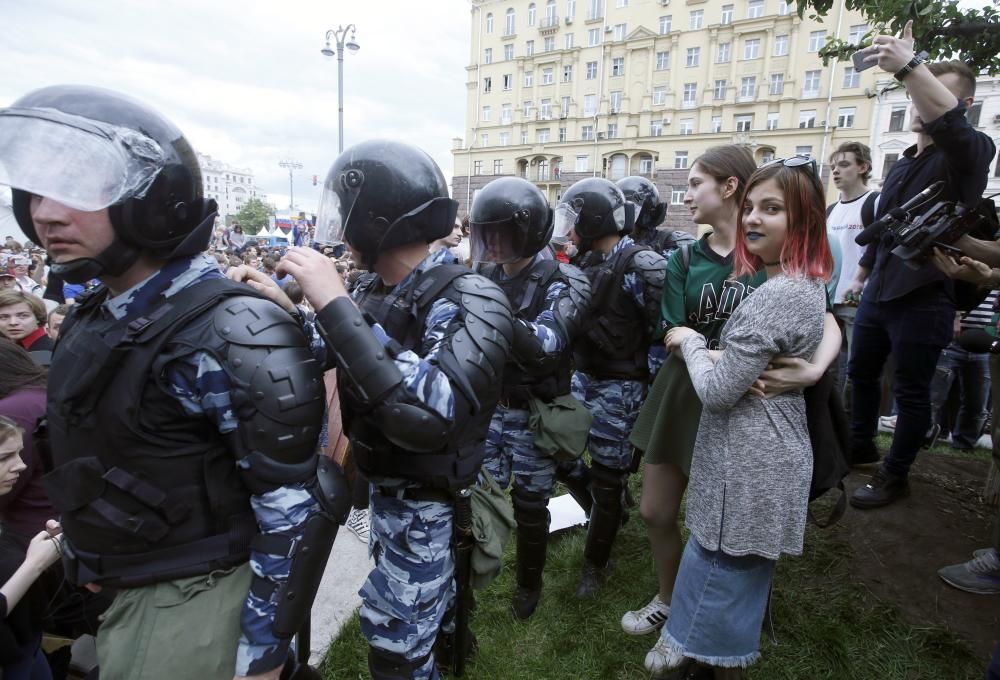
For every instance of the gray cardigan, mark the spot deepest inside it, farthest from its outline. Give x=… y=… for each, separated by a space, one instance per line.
x=752 y=464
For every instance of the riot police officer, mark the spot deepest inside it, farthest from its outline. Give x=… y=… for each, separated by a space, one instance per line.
x=420 y=353
x=649 y=214
x=511 y=224
x=183 y=409
x=613 y=355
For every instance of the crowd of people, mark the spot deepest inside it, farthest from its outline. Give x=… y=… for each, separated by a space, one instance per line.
x=162 y=406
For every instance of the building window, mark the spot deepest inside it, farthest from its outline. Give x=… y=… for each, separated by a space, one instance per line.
x=777 y=84
x=677 y=196
x=810 y=86
x=690 y=94
x=662 y=60
x=697 y=19
x=665 y=23
x=489 y=23
x=568 y=73
x=845 y=117
x=545 y=109
x=816 y=40
x=612 y=130
x=744 y=122
x=755 y=9
x=487 y=84
x=807 y=118
x=724 y=51
x=477 y=167
x=680 y=160
x=488 y=56
x=805 y=150
x=508 y=27
x=767 y=156
x=748 y=87
x=570 y=8
x=595 y=9
x=529 y=48
x=659 y=95
x=851 y=77
x=549 y=44
x=972 y=114
x=587 y=133
x=508 y=81
x=508 y=52
x=890 y=160
x=589 y=104
x=542 y=136
x=686 y=126
x=485 y=140
x=621 y=3
x=716 y=124
x=594 y=37
x=591 y=70
x=645 y=165
x=569 y=41
x=618 y=66
x=719 y=91
x=550 y=13
x=582 y=164
x=784 y=8
x=620 y=31
x=727 y=15
x=896 y=118
x=486 y=113
x=857 y=33
x=504 y=139
x=655 y=128
x=772 y=121
x=751 y=48
x=564 y=107
x=532 y=14
x=616 y=101
x=693 y=56
x=562 y=134
x=780 y=45
x=547 y=78
x=524 y=136
x=529 y=109
x=498 y=166
x=543 y=171
x=529 y=78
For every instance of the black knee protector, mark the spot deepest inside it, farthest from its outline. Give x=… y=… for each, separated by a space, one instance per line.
x=385 y=665
x=530 y=507
x=606 y=485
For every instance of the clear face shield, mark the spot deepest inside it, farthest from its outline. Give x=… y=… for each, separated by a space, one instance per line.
x=564 y=220
x=329 y=220
x=491 y=242
x=636 y=202
x=84 y=164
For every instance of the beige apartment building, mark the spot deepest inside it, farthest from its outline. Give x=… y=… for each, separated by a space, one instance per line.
x=559 y=90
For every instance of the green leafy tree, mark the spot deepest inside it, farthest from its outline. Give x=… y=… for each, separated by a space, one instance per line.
x=253 y=216
x=940 y=27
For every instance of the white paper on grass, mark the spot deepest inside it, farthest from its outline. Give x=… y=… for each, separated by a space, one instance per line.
x=565 y=512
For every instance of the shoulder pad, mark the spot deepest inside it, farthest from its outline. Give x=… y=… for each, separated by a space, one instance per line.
x=579 y=284
x=478 y=286
x=652 y=266
x=256 y=322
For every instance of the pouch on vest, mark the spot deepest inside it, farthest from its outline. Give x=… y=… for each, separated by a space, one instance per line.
x=492 y=522
x=561 y=426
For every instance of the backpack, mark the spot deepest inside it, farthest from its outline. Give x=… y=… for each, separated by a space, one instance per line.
x=867 y=208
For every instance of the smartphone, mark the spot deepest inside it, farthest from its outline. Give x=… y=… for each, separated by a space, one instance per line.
x=859 y=59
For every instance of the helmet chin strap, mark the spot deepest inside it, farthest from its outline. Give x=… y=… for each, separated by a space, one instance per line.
x=112 y=261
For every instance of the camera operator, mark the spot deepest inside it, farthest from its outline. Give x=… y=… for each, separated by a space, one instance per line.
x=908 y=312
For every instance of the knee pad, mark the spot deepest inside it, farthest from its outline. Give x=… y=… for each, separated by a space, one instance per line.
x=385 y=665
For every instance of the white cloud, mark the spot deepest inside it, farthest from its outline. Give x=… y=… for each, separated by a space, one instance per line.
x=246 y=82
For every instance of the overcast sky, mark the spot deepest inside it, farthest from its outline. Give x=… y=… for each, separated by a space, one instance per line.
x=245 y=79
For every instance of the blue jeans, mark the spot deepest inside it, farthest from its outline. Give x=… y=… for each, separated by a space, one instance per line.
x=914 y=329
x=971 y=369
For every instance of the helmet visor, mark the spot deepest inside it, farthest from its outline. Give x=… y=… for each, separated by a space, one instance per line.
x=637 y=208
x=329 y=220
x=491 y=242
x=564 y=220
x=81 y=163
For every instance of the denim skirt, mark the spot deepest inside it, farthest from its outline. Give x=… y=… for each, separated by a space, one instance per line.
x=717 y=608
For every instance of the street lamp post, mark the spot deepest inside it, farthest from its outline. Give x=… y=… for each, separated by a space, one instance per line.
x=339 y=35
x=292 y=167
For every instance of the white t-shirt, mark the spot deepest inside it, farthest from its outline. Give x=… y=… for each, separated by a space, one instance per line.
x=843 y=225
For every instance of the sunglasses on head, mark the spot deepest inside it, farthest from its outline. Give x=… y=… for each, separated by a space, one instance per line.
x=797 y=161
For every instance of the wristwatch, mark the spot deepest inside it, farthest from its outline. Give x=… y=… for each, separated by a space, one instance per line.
x=917 y=60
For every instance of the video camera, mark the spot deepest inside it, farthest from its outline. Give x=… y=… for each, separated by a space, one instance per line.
x=939 y=227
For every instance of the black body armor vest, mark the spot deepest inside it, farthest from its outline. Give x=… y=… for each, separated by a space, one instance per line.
x=614 y=344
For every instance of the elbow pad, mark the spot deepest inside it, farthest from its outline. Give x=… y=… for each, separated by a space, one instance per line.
x=412 y=426
x=366 y=363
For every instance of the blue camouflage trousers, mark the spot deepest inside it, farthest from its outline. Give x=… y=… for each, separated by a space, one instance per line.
x=614 y=405
x=412 y=585
x=510 y=450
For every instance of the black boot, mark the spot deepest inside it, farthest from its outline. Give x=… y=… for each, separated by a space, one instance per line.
x=605 y=520
x=575 y=477
x=532 y=541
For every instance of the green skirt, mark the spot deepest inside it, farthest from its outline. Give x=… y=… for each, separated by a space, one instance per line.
x=668 y=422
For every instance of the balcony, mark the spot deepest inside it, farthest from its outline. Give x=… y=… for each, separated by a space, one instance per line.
x=594 y=18
x=548 y=25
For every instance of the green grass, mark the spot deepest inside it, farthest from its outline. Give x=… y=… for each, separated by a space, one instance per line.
x=883 y=440
x=826 y=625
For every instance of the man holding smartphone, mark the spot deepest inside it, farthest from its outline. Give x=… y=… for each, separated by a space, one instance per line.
x=906 y=312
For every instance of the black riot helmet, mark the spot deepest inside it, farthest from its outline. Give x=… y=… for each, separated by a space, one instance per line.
x=510 y=219
x=645 y=197
x=593 y=207
x=90 y=149
x=382 y=194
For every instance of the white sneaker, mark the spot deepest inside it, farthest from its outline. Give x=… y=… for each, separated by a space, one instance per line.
x=648 y=619
x=359 y=524
x=662 y=658
x=888 y=422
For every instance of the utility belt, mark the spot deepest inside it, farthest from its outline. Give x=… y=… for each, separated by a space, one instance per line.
x=415 y=493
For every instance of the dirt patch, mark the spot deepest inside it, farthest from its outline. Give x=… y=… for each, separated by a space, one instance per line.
x=898 y=549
